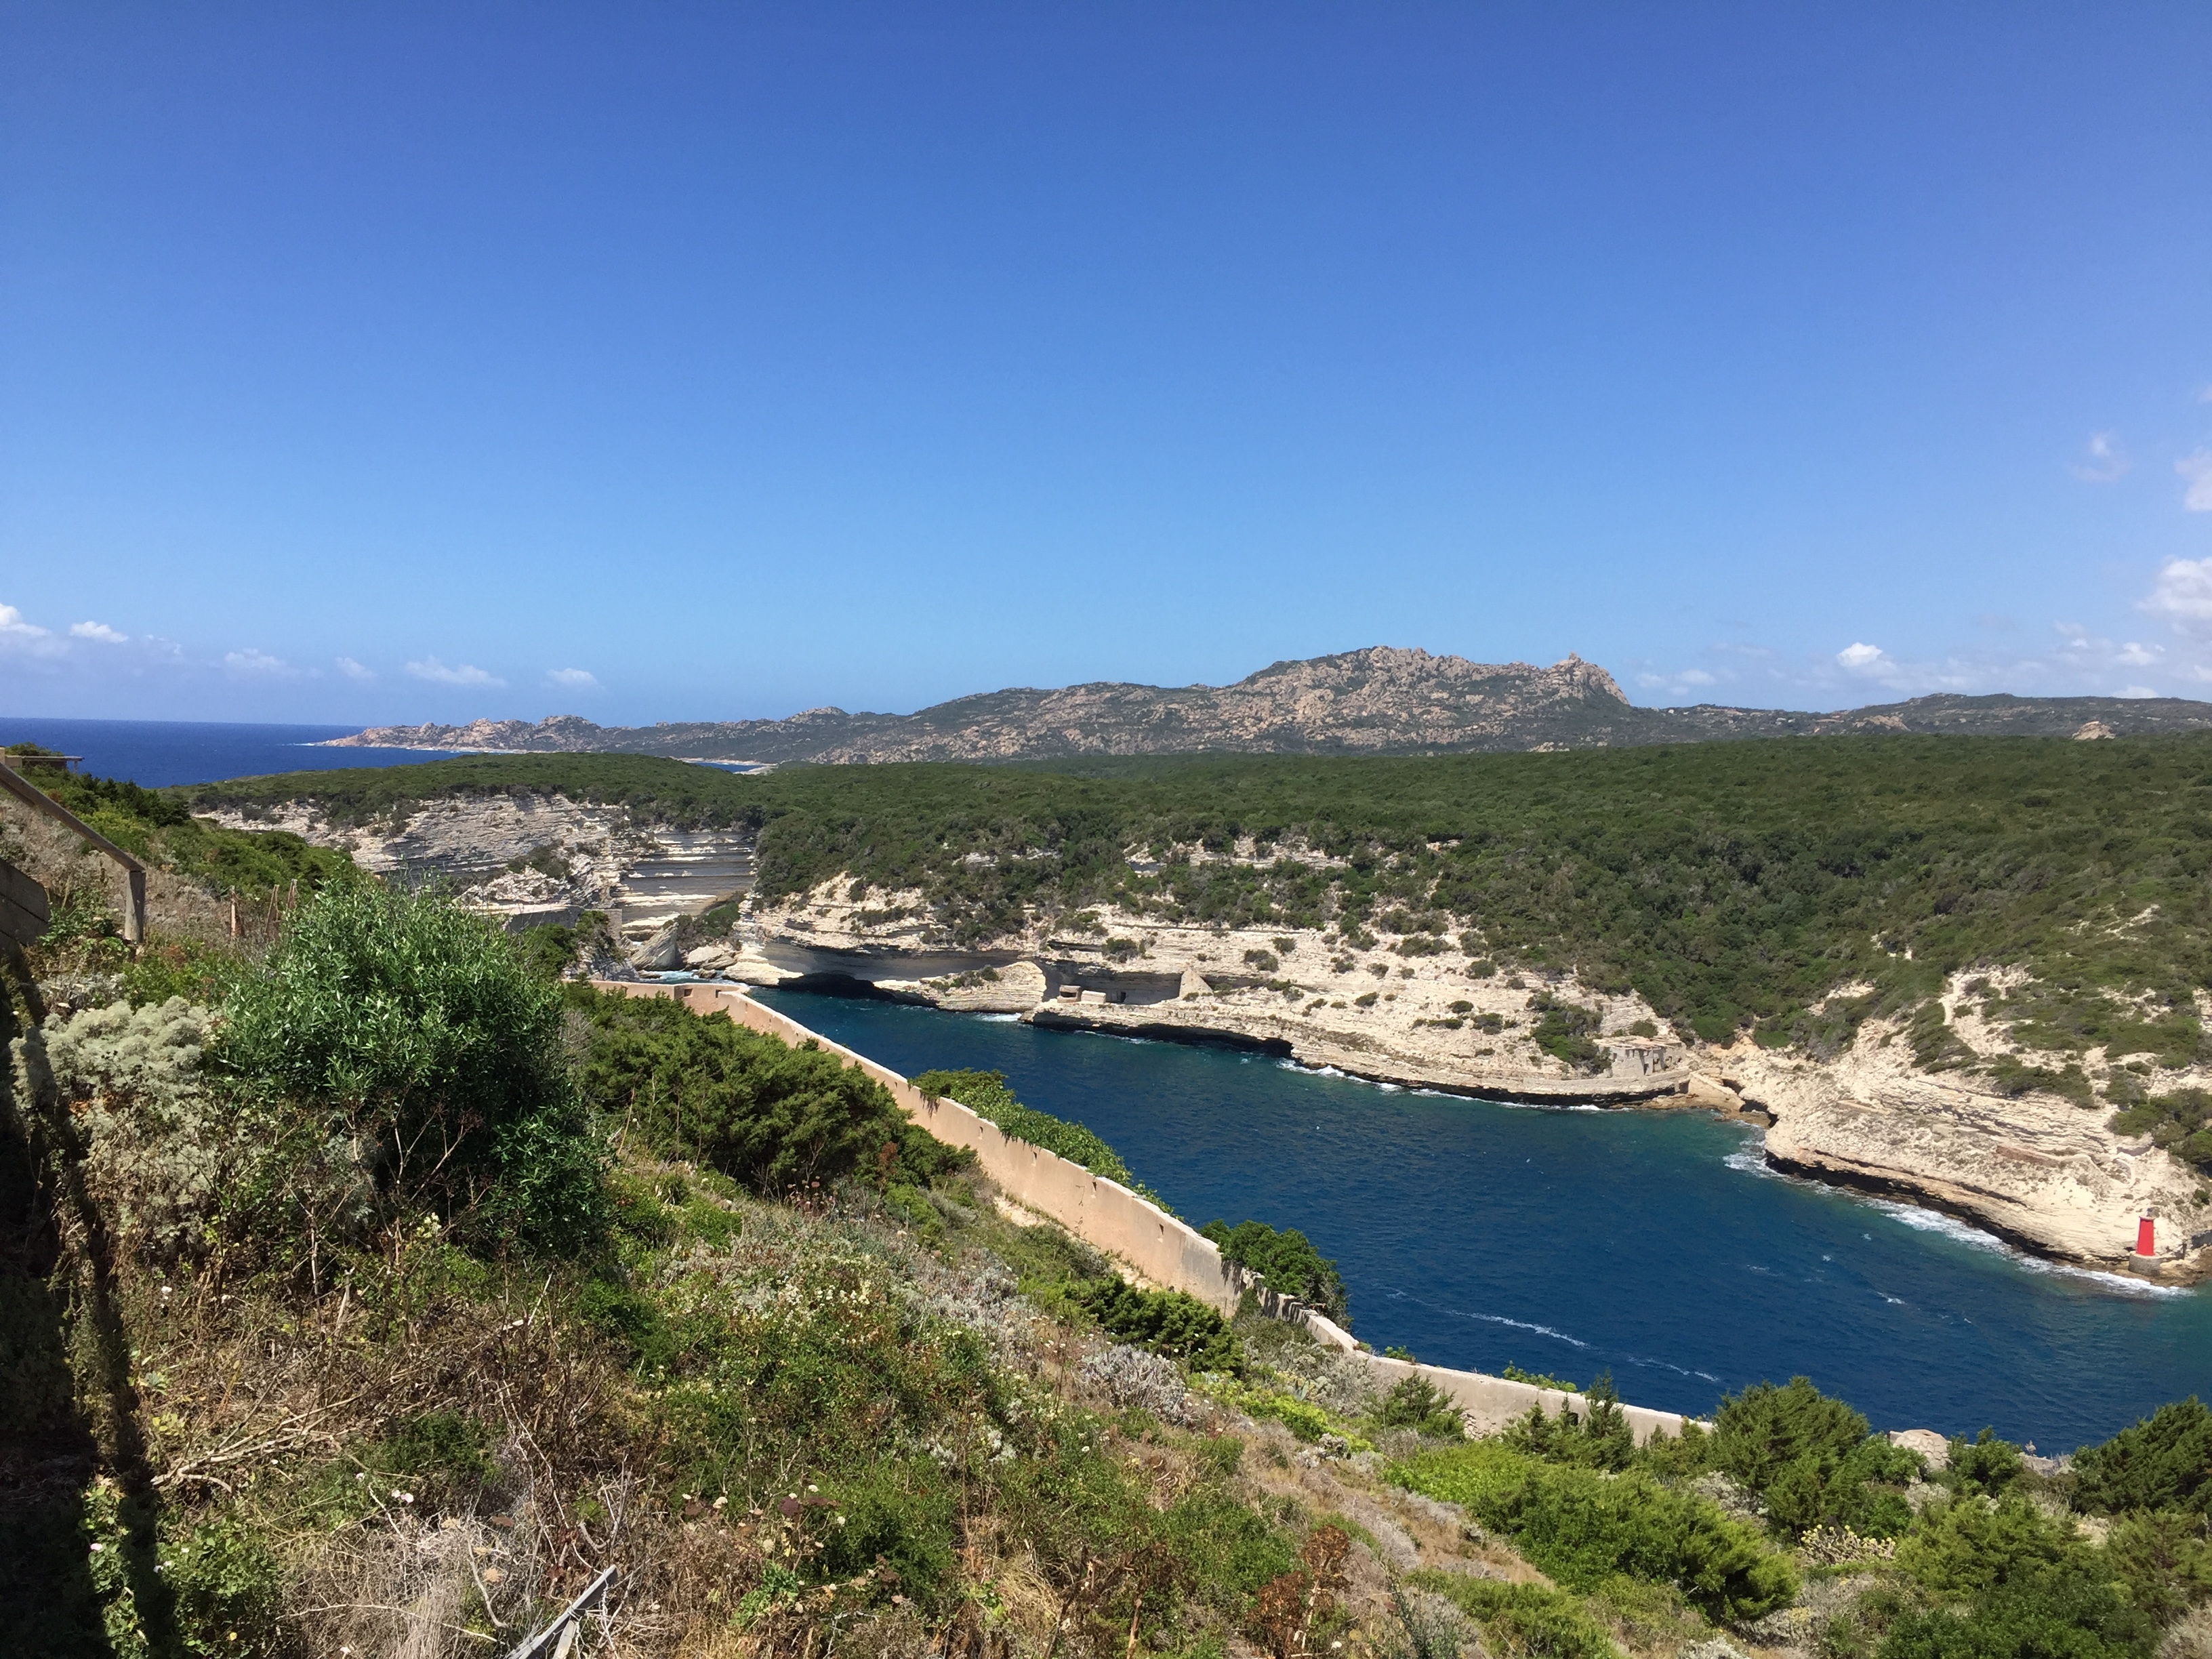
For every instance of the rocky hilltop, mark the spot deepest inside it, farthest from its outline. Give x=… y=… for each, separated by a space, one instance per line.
x=1382 y=700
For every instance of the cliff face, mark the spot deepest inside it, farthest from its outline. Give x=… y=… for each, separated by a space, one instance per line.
x=1379 y=700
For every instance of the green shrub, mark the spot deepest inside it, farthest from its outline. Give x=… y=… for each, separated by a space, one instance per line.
x=633 y=1321
x=1812 y=1460
x=410 y=1026
x=1972 y=1545
x=2005 y=1579
x=1581 y=1526
x=986 y=1094
x=188 y=968
x=1472 y=1475
x=2165 y=1560
x=1225 y=1550
x=2181 y=1122
x=1173 y=1323
x=1984 y=1464
x=548 y=951
x=770 y=1116
x=443 y=1456
x=1513 y=1373
x=2071 y=1615
x=1286 y=1261
x=228 y=1591
x=2161 y=1463
x=897 y=1514
x=1567 y=1032
x=1598 y=1436
x=1416 y=1403
x=1524 y=1621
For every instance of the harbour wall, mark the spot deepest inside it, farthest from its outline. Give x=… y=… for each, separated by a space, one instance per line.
x=1161 y=1249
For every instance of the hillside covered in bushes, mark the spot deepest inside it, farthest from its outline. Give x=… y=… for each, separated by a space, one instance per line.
x=1732 y=885
x=377 y=1304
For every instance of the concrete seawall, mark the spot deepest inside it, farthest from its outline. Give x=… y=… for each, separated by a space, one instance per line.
x=1109 y=1217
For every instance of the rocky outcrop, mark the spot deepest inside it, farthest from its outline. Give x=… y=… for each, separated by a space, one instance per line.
x=2042 y=1172
x=1436 y=1019
x=530 y=859
x=1377 y=701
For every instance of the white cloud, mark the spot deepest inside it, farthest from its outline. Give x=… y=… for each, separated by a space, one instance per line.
x=251 y=661
x=2197 y=467
x=2106 y=461
x=2134 y=691
x=27 y=641
x=573 y=679
x=354 y=671
x=2132 y=655
x=97 y=630
x=460 y=674
x=1862 y=659
x=2183 y=594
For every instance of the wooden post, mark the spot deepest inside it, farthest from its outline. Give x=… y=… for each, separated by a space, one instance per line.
x=24 y=913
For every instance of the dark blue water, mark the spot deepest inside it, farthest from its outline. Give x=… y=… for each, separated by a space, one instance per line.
x=158 y=753
x=1573 y=1241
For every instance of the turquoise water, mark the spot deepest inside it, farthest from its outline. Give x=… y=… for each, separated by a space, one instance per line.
x=1653 y=1244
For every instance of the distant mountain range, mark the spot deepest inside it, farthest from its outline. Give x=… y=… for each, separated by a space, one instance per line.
x=1379 y=700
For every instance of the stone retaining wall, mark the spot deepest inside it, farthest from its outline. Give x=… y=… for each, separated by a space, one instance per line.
x=1161 y=1249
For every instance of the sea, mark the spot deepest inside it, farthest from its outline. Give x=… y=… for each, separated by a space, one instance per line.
x=159 y=753
x=1654 y=1245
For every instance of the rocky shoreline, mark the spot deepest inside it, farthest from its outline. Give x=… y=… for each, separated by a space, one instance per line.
x=2038 y=1171
x=2041 y=1172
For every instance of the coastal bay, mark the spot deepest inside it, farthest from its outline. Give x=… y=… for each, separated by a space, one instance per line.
x=1652 y=1244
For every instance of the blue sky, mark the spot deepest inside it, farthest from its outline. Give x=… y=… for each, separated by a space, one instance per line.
x=713 y=361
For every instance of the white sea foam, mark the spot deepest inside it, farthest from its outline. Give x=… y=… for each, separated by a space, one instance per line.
x=1520 y=1325
x=1750 y=1158
x=1934 y=1221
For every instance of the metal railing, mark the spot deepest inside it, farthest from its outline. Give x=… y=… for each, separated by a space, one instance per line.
x=570 y=1621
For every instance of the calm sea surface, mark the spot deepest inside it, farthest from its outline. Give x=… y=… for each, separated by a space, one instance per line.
x=1654 y=1244
x=157 y=753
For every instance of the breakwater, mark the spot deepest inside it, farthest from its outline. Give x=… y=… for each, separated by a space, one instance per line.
x=1158 y=1247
